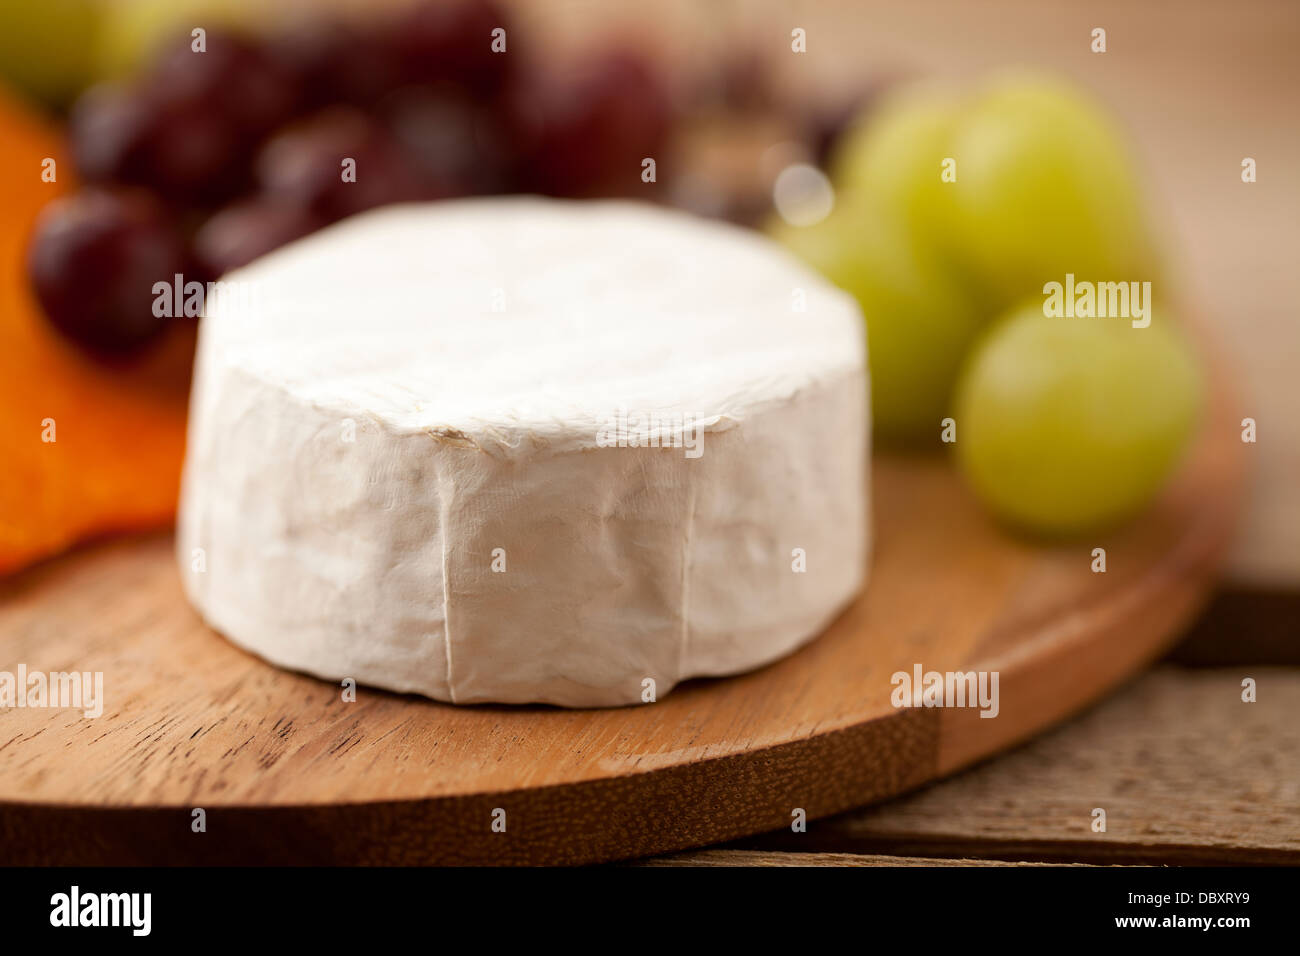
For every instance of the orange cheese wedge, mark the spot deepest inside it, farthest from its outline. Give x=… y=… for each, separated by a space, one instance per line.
x=84 y=449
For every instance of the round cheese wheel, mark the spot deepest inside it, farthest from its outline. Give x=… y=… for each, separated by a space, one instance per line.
x=522 y=450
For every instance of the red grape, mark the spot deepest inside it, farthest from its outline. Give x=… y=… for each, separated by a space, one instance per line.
x=335 y=62
x=172 y=144
x=233 y=75
x=108 y=128
x=93 y=260
x=460 y=147
x=246 y=230
x=187 y=128
x=588 y=130
x=440 y=41
x=303 y=166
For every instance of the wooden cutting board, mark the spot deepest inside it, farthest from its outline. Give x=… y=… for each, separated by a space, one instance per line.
x=285 y=770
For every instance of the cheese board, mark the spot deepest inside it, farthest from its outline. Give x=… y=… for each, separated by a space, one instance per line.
x=206 y=754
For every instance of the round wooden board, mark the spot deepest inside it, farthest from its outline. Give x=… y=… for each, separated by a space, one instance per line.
x=287 y=772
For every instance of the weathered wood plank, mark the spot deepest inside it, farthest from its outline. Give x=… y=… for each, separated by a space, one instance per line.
x=1245 y=626
x=1185 y=770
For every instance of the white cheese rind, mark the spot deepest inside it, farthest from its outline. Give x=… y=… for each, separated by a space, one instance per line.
x=474 y=430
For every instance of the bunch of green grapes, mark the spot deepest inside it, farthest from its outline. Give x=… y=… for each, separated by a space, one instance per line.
x=952 y=213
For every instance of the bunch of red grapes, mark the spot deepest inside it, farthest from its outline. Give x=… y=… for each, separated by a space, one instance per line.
x=210 y=159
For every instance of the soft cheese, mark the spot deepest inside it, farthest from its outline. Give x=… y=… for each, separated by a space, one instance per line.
x=418 y=453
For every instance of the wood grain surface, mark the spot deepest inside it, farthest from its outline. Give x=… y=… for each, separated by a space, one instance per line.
x=1187 y=772
x=285 y=770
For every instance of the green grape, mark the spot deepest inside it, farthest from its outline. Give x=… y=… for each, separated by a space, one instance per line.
x=1045 y=187
x=45 y=46
x=895 y=155
x=1069 y=425
x=920 y=321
